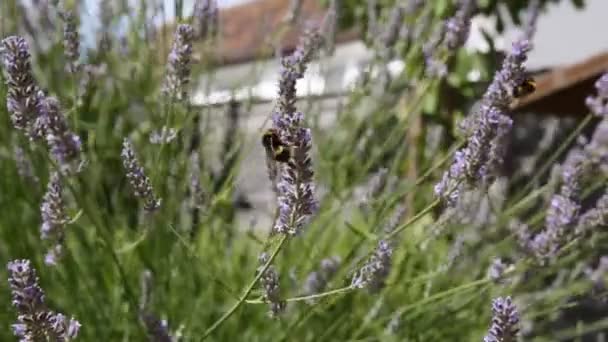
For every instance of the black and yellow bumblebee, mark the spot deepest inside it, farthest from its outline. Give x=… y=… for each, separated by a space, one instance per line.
x=276 y=149
x=524 y=88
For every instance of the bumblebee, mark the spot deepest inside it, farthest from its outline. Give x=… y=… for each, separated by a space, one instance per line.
x=525 y=88
x=276 y=149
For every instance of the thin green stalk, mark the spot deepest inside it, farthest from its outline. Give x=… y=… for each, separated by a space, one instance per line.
x=309 y=297
x=194 y=254
x=413 y=220
x=444 y=294
x=247 y=291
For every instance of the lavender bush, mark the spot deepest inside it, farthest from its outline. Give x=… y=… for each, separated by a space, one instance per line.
x=406 y=216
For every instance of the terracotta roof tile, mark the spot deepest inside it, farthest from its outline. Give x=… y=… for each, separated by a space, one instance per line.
x=256 y=29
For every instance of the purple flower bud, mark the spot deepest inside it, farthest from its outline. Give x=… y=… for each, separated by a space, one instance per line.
x=375 y=271
x=272 y=289
x=505 y=321
x=487 y=128
x=449 y=37
x=497 y=270
x=295 y=187
x=34 y=321
x=25 y=169
x=140 y=183
x=205 y=18
x=457 y=27
x=532 y=13
x=54 y=218
x=177 y=77
x=23 y=92
x=71 y=42
x=318 y=280
x=157 y=329
x=599 y=104
x=598 y=275
x=64 y=145
x=595 y=217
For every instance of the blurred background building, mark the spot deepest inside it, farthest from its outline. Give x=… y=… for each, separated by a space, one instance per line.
x=568 y=48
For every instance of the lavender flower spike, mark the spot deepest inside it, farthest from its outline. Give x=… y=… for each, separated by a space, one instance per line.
x=599 y=104
x=457 y=27
x=23 y=92
x=272 y=291
x=505 y=321
x=65 y=146
x=25 y=168
x=205 y=18
x=71 y=43
x=374 y=273
x=178 y=67
x=140 y=183
x=532 y=14
x=447 y=38
x=35 y=322
x=157 y=329
x=486 y=129
x=563 y=213
x=54 y=218
x=595 y=217
x=317 y=280
x=295 y=187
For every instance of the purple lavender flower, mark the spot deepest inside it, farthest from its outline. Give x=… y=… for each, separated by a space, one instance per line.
x=34 y=321
x=598 y=275
x=447 y=38
x=501 y=90
x=599 y=104
x=205 y=18
x=486 y=129
x=595 y=217
x=317 y=280
x=532 y=13
x=295 y=188
x=25 y=169
x=375 y=271
x=64 y=145
x=23 y=93
x=71 y=41
x=178 y=67
x=272 y=290
x=523 y=234
x=157 y=329
x=140 y=183
x=563 y=213
x=54 y=218
x=457 y=27
x=395 y=219
x=597 y=148
x=497 y=269
x=505 y=321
